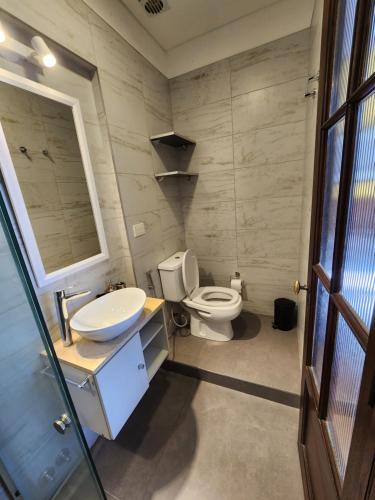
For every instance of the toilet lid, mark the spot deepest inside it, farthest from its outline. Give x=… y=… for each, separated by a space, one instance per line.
x=190 y=272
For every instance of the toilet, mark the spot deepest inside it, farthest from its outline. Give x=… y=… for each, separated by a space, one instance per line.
x=212 y=308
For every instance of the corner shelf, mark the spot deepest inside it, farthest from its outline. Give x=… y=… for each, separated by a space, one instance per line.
x=172 y=139
x=175 y=173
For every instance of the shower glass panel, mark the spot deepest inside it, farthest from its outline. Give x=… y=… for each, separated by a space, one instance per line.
x=36 y=461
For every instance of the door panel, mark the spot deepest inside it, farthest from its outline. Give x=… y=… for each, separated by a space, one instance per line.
x=347 y=367
x=358 y=282
x=123 y=375
x=339 y=358
x=332 y=182
x=320 y=326
x=369 y=66
x=343 y=46
x=321 y=483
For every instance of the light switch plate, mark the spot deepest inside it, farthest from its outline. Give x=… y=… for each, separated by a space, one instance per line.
x=139 y=229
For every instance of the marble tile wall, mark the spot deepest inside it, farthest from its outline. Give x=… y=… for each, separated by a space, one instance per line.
x=137 y=104
x=132 y=102
x=243 y=212
x=240 y=109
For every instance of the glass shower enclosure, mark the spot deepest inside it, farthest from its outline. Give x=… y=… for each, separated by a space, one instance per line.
x=43 y=453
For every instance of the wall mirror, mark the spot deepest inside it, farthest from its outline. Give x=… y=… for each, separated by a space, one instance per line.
x=46 y=166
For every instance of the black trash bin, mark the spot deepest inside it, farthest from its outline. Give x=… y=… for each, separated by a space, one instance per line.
x=284 y=314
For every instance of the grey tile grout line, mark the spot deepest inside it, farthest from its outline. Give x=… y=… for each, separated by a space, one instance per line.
x=234 y=175
x=269 y=86
x=251 y=388
x=231 y=97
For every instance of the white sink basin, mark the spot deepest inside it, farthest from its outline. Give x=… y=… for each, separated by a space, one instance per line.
x=109 y=316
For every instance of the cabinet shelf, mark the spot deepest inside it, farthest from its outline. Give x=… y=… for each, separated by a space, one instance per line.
x=149 y=332
x=172 y=139
x=154 y=357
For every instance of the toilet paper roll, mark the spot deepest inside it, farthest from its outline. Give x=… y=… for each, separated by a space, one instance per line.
x=236 y=284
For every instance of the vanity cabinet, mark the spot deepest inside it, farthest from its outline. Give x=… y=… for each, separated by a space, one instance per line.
x=107 y=380
x=109 y=397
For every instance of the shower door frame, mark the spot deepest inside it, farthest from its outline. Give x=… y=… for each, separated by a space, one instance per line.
x=360 y=471
x=17 y=254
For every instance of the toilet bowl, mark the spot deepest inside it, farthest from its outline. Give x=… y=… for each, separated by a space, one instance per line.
x=212 y=308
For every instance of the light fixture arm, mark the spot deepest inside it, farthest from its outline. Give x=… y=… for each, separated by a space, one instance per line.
x=42 y=50
x=39 y=54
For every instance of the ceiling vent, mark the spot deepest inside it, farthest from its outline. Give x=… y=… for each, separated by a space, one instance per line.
x=154 y=7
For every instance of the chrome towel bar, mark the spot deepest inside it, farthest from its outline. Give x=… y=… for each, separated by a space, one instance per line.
x=80 y=385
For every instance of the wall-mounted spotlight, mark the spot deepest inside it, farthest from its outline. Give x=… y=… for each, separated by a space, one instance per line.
x=42 y=50
x=2 y=34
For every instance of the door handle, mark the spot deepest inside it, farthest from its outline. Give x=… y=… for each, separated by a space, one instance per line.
x=62 y=423
x=297 y=287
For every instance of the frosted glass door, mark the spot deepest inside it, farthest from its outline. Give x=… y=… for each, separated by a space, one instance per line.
x=358 y=281
x=319 y=338
x=346 y=376
x=339 y=375
x=36 y=461
x=343 y=48
x=331 y=193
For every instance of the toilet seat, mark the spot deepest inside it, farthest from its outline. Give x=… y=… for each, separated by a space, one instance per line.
x=215 y=313
x=215 y=296
x=214 y=302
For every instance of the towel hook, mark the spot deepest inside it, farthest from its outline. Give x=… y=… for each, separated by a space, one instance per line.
x=23 y=150
x=312 y=93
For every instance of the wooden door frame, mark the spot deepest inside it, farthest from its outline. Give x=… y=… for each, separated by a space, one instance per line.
x=362 y=449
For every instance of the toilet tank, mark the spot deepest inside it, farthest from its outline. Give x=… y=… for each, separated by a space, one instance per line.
x=171 y=278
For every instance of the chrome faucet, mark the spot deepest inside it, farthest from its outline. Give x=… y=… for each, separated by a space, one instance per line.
x=61 y=300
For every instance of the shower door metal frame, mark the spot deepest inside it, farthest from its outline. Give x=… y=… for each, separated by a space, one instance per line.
x=45 y=337
x=359 y=477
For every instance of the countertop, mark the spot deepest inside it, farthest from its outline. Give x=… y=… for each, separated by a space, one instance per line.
x=90 y=356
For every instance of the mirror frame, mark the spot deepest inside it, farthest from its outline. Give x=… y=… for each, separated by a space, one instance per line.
x=10 y=177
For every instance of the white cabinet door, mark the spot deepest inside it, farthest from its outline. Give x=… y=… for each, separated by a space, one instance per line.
x=122 y=383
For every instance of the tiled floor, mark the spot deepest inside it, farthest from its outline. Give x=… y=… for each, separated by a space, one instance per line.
x=257 y=353
x=191 y=440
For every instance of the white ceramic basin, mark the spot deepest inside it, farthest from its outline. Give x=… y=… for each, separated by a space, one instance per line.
x=109 y=316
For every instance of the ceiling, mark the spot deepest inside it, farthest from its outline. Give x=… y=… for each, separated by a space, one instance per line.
x=185 y=20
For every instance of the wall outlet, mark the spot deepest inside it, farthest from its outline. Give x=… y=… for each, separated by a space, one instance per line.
x=139 y=229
